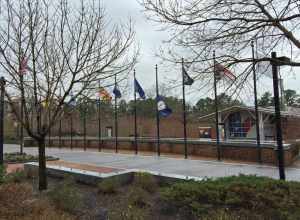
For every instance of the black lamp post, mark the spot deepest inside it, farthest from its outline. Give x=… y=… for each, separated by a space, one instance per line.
x=2 y=88
x=275 y=62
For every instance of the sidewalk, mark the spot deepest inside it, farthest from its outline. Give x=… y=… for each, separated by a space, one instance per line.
x=186 y=167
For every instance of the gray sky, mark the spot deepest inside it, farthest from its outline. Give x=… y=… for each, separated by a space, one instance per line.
x=150 y=39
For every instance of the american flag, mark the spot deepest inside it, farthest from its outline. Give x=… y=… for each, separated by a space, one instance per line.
x=223 y=71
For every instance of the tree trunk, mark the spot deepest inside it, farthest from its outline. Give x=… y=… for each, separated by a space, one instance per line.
x=42 y=165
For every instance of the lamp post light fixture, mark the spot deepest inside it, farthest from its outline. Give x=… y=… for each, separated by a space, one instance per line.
x=275 y=62
x=2 y=91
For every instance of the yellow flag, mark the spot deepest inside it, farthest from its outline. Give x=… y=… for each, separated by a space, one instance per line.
x=104 y=95
x=45 y=103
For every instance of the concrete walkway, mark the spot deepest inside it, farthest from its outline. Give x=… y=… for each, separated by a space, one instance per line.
x=186 y=167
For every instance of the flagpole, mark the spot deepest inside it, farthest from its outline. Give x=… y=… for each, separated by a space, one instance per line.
x=49 y=118
x=84 y=126
x=256 y=105
x=71 y=125
x=99 y=120
x=157 y=114
x=116 y=119
x=216 y=109
x=22 y=116
x=184 y=113
x=135 y=121
x=59 y=132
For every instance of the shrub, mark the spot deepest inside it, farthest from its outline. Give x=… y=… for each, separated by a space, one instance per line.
x=15 y=177
x=65 y=196
x=132 y=213
x=245 y=195
x=138 y=197
x=146 y=181
x=108 y=186
x=2 y=174
x=12 y=198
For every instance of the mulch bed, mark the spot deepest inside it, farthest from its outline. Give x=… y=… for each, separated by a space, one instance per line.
x=85 y=167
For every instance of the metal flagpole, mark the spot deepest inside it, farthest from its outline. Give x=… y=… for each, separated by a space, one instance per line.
x=84 y=126
x=49 y=118
x=256 y=104
x=60 y=123
x=280 y=152
x=59 y=135
x=116 y=119
x=99 y=120
x=22 y=116
x=184 y=113
x=71 y=125
x=157 y=113
x=135 y=122
x=2 y=85
x=216 y=109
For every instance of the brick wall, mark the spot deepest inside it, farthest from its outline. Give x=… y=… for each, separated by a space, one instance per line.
x=169 y=127
x=209 y=150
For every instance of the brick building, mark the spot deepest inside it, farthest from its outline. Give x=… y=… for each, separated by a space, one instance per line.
x=171 y=126
x=238 y=122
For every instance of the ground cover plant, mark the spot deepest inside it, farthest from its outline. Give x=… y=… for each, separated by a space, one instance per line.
x=228 y=198
x=17 y=157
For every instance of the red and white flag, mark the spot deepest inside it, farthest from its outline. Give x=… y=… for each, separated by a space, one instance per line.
x=222 y=71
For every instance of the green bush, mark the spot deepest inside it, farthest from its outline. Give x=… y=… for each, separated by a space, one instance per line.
x=109 y=186
x=138 y=197
x=244 y=195
x=2 y=174
x=146 y=181
x=16 y=157
x=15 y=177
x=132 y=213
x=65 y=196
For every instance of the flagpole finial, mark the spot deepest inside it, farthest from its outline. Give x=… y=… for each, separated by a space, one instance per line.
x=214 y=53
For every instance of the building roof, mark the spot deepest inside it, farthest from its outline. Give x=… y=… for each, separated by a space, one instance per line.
x=289 y=112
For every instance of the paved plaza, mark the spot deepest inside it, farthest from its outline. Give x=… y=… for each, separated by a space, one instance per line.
x=185 y=167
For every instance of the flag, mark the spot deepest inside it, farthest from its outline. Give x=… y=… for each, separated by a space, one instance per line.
x=104 y=94
x=72 y=101
x=45 y=103
x=223 y=71
x=162 y=107
x=117 y=92
x=23 y=66
x=138 y=89
x=187 y=80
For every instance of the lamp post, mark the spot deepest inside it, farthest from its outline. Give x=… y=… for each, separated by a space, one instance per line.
x=275 y=62
x=2 y=89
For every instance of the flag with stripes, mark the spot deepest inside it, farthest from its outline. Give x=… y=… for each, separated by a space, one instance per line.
x=221 y=71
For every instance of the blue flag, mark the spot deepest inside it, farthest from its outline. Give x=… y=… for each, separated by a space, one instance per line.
x=117 y=92
x=139 y=89
x=72 y=101
x=162 y=107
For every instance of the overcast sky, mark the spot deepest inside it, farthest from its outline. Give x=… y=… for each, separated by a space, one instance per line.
x=150 y=39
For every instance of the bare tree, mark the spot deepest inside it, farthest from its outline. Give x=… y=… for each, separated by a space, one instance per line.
x=227 y=26
x=52 y=53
